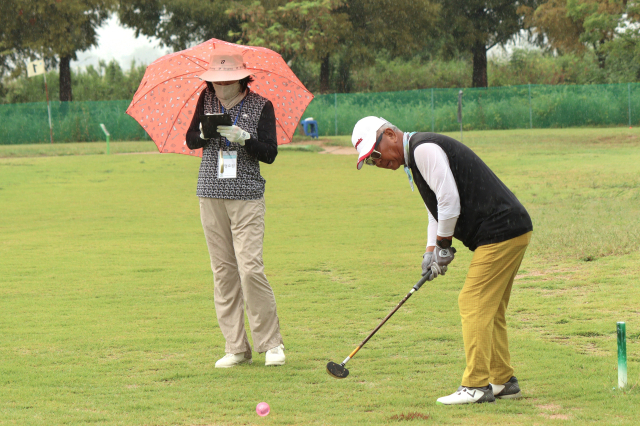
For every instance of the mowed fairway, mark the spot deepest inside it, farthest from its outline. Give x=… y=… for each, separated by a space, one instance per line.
x=106 y=294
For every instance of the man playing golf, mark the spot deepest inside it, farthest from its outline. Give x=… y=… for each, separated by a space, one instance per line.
x=466 y=200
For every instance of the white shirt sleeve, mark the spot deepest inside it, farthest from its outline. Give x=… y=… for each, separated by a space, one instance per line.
x=433 y=165
x=432 y=231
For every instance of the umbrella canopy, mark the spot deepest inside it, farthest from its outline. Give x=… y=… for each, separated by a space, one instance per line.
x=166 y=100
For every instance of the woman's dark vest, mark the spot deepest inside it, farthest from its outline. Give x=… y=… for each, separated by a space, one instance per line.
x=489 y=211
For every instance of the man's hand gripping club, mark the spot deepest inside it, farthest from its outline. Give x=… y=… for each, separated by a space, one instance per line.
x=438 y=260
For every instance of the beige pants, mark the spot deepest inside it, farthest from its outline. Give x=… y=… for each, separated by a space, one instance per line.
x=234 y=230
x=483 y=304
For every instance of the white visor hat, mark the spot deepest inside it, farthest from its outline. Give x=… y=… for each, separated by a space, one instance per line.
x=363 y=137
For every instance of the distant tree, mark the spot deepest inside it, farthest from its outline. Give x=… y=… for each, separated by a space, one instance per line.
x=476 y=26
x=311 y=30
x=352 y=32
x=55 y=29
x=574 y=25
x=390 y=29
x=105 y=82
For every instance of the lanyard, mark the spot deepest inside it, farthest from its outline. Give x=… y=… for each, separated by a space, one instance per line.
x=405 y=145
x=234 y=121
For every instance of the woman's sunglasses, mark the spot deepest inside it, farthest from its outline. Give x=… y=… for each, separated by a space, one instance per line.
x=375 y=155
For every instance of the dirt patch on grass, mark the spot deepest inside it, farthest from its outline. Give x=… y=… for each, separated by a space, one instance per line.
x=555 y=273
x=338 y=150
x=624 y=140
x=410 y=416
x=592 y=349
x=559 y=416
x=549 y=407
x=551 y=412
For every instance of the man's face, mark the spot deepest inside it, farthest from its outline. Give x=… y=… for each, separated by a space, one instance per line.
x=389 y=158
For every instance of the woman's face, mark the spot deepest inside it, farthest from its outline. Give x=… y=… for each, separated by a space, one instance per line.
x=226 y=83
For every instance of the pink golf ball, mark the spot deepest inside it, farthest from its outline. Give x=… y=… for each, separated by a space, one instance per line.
x=263 y=409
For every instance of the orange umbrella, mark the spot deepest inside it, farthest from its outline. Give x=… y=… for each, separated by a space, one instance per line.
x=166 y=100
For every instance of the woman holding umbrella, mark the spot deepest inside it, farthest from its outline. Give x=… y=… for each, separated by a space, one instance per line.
x=232 y=207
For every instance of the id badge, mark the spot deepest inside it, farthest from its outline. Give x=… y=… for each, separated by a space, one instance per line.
x=227 y=168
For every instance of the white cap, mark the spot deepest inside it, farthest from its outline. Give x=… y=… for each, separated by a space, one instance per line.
x=363 y=137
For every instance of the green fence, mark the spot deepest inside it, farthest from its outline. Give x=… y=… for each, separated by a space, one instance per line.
x=72 y=122
x=530 y=106
x=513 y=107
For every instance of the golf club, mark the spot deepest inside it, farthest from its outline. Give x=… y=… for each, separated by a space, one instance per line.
x=338 y=370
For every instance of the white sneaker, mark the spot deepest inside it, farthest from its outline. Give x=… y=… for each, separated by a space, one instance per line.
x=465 y=395
x=275 y=356
x=231 y=360
x=510 y=390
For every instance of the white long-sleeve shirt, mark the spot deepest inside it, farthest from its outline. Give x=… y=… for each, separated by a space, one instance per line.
x=433 y=165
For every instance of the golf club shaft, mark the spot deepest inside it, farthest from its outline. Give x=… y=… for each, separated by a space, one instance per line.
x=413 y=290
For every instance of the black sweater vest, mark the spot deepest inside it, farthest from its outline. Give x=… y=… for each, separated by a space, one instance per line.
x=489 y=212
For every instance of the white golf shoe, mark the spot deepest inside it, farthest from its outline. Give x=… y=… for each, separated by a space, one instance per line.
x=509 y=390
x=275 y=356
x=465 y=395
x=231 y=360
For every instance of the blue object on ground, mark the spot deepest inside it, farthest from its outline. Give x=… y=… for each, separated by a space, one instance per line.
x=310 y=127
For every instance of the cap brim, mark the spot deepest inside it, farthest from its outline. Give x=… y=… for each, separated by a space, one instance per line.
x=361 y=159
x=215 y=76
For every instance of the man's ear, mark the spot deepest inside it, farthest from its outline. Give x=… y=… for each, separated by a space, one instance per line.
x=390 y=133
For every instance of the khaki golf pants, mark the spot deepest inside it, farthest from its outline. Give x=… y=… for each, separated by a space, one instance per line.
x=483 y=303
x=234 y=230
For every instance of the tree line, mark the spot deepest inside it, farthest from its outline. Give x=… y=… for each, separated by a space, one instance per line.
x=335 y=45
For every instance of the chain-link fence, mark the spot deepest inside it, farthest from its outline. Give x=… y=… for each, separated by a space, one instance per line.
x=530 y=106
x=71 y=122
x=513 y=107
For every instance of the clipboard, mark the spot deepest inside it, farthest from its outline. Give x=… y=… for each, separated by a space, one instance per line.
x=210 y=123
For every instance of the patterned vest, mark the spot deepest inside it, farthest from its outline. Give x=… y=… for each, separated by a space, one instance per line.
x=249 y=183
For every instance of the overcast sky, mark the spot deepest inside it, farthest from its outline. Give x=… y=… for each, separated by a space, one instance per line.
x=120 y=43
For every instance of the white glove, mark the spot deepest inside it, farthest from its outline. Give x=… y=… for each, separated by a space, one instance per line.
x=234 y=134
x=202 y=133
x=442 y=257
x=427 y=259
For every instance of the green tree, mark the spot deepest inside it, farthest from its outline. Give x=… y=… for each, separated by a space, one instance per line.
x=390 y=30
x=310 y=30
x=55 y=29
x=476 y=26
x=178 y=24
x=576 y=25
x=352 y=32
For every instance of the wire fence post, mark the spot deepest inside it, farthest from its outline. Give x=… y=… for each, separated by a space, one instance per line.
x=335 y=106
x=629 y=90
x=46 y=89
x=530 y=109
x=460 y=112
x=433 y=114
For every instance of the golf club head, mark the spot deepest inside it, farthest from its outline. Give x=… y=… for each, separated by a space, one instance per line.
x=336 y=370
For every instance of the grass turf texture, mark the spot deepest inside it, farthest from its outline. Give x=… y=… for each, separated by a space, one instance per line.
x=106 y=301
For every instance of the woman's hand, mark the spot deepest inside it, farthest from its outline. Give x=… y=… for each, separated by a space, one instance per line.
x=234 y=134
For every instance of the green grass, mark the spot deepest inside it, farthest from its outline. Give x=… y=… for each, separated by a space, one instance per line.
x=106 y=296
x=82 y=148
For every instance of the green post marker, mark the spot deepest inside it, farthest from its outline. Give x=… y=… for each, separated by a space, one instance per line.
x=622 y=355
x=106 y=133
